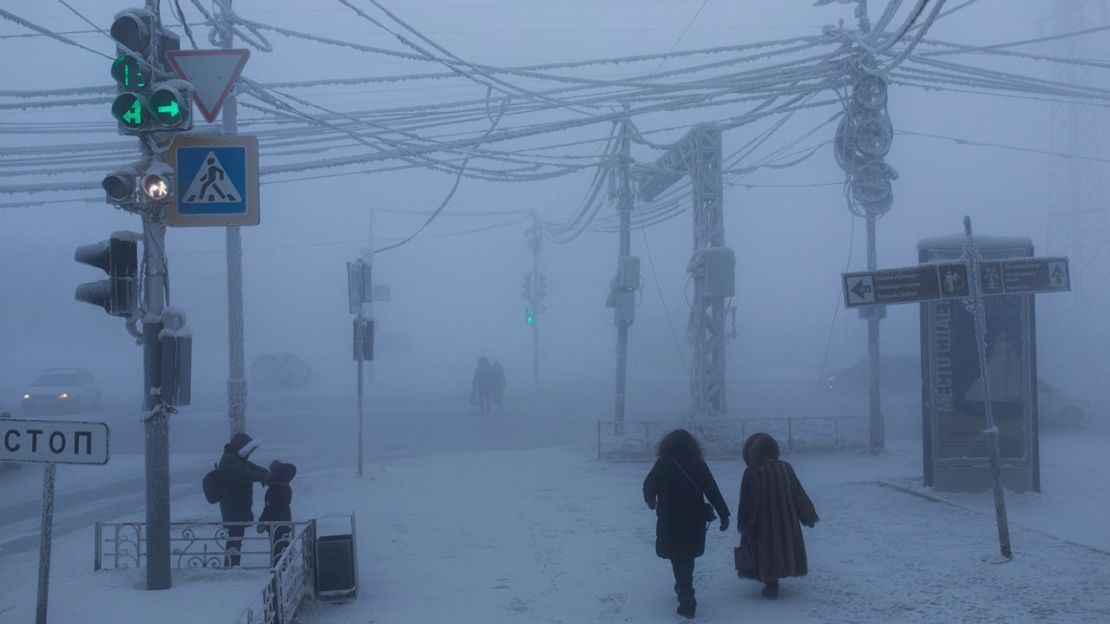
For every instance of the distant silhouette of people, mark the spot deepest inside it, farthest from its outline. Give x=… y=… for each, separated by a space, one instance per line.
x=237 y=475
x=482 y=387
x=498 y=383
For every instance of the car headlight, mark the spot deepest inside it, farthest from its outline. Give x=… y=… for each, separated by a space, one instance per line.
x=63 y=396
x=26 y=397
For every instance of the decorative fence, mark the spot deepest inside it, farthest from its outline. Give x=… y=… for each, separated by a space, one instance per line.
x=290 y=578
x=722 y=438
x=210 y=545
x=195 y=544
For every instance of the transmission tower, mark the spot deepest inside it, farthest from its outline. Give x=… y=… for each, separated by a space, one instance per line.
x=1078 y=226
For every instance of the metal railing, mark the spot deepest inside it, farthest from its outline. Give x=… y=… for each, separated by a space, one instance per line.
x=723 y=438
x=122 y=545
x=290 y=578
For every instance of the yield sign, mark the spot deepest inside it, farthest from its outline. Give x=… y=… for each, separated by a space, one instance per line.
x=212 y=74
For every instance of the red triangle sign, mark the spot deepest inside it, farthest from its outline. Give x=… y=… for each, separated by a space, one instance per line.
x=212 y=74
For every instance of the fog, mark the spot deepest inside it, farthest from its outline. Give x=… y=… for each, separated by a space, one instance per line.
x=457 y=297
x=456 y=287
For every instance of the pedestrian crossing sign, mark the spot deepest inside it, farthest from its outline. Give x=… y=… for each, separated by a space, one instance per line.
x=216 y=181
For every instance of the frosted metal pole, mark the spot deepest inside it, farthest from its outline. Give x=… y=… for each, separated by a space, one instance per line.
x=155 y=419
x=624 y=210
x=537 y=238
x=980 y=314
x=361 y=417
x=236 y=370
x=875 y=396
x=44 y=542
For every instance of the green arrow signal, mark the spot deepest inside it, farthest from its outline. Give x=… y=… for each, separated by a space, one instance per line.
x=134 y=115
x=172 y=109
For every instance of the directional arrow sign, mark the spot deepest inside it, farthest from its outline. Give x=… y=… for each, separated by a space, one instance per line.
x=948 y=280
x=212 y=73
x=923 y=282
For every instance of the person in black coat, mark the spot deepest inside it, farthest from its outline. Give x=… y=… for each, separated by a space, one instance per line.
x=237 y=478
x=773 y=506
x=279 y=498
x=482 y=386
x=676 y=488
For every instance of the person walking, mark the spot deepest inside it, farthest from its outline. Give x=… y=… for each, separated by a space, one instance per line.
x=482 y=386
x=498 y=383
x=773 y=506
x=676 y=488
x=237 y=478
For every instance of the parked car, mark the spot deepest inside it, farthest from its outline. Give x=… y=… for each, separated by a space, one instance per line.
x=900 y=378
x=280 y=370
x=61 y=390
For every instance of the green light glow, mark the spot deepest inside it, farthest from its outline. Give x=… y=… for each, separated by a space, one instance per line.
x=128 y=73
x=128 y=110
x=167 y=107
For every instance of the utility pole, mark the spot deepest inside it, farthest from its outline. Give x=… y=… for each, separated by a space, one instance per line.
x=236 y=374
x=863 y=139
x=534 y=291
x=623 y=289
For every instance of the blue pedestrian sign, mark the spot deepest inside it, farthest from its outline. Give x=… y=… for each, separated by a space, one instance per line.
x=216 y=181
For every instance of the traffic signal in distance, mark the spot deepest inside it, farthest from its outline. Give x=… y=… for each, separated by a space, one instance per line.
x=119 y=258
x=526 y=287
x=530 y=315
x=540 y=291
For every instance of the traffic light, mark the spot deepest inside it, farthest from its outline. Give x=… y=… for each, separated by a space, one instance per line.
x=526 y=287
x=144 y=105
x=156 y=183
x=540 y=291
x=119 y=258
x=119 y=186
x=530 y=315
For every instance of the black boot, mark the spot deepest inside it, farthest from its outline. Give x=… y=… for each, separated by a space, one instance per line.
x=686 y=603
x=770 y=590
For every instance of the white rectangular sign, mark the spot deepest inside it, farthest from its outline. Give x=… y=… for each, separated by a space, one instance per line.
x=54 y=442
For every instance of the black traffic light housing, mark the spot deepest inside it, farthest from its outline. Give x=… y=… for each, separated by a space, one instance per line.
x=119 y=258
x=119 y=186
x=144 y=102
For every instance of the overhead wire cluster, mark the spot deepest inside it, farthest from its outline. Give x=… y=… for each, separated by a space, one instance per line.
x=528 y=122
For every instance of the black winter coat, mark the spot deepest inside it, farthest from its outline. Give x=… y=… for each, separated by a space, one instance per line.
x=679 y=505
x=237 y=477
x=279 y=495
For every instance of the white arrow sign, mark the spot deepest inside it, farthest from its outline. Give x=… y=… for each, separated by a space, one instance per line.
x=211 y=72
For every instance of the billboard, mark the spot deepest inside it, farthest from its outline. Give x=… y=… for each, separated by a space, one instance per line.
x=955 y=449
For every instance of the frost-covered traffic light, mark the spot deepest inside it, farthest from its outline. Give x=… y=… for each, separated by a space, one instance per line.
x=119 y=258
x=145 y=103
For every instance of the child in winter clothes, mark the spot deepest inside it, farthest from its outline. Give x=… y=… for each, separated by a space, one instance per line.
x=279 y=497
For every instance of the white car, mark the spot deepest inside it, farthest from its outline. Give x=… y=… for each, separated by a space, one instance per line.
x=61 y=390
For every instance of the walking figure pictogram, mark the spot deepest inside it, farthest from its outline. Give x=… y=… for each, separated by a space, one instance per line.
x=211 y=184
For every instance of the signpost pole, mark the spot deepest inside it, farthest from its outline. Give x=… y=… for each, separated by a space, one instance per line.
x=236 y=381
x=875 y=397
x=980 y=315
x=44 y=541
x=358 y=348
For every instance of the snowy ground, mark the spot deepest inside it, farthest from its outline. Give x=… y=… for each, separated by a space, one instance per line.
x=508 y=529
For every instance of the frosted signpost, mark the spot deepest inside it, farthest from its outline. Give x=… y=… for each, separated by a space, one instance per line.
x=971 y=279
x=51 y=442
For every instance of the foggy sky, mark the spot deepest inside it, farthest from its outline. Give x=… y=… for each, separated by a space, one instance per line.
x=458 y=297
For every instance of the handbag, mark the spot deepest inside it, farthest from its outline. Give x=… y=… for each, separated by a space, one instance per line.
x=708 y=513
x=744 y=556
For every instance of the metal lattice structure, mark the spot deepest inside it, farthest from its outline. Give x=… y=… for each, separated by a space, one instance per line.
x=698 y=155
x=1078 y=224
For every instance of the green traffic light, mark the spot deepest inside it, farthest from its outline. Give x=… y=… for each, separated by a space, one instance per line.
x=166 y=106
x=128 y=110
x=530 y=316
x=128 y=72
